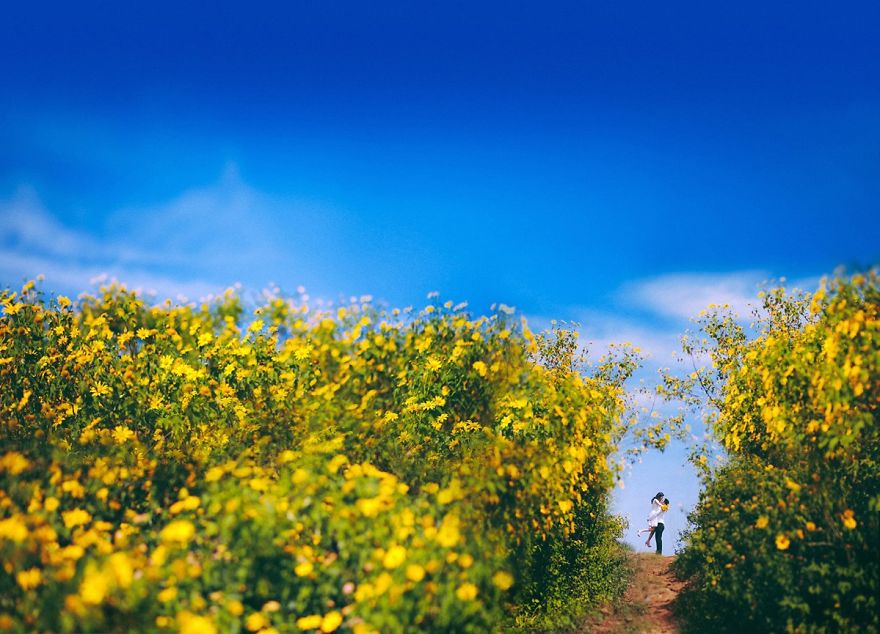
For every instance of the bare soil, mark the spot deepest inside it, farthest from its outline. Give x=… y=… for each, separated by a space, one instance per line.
x=647 y=604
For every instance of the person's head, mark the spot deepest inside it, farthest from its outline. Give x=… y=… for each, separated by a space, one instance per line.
x=666 y=501
x=659 y=496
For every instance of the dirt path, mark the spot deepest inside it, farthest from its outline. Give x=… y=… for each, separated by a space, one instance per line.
x=647 y=605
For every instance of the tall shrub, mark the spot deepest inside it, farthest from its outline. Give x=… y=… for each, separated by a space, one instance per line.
x=784 y=537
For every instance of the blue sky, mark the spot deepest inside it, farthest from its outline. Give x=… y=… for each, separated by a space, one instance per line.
x=621 y=166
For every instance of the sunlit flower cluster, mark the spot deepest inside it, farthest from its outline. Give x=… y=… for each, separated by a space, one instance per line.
x=211 y=469
x=785 y=532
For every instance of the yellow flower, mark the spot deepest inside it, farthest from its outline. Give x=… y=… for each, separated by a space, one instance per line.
x=179 y=531
x=14 y=463
x=395 y=556
x=309 y=622
x=100 y=389
x=299 y=476
x=369 y=507
x=331 y=621
x=72 y=552
x=383 y=582
x=481 y=368
x=466 y=561
x=213 y=474
x=762 y=522
x=168 y=594
x=811 y=526
x=466 y=592
x=123 y=571
x=336 y=462
x=50 y=503
x=94 y=586
x=848 y=518
x=259 y=484
x=448 y=535
x=13 y=529
x=24 y=400
x=74 y=488
x=122 y=434
x=194 y=624
x=76 y=517
x=189 y=503
x=782 y=542
x=415 y=572
x=502 y=580
x=255 y=621
x=304 y=569
x=29 y=579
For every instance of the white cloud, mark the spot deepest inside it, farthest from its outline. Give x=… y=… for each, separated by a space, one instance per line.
x=27 y=227
x=195 y=244
x=684 y=295
x=215 y=227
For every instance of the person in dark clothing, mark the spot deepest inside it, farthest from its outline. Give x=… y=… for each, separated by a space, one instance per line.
x=658 y=531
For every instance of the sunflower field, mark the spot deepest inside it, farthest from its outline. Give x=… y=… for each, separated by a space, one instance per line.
x=219 y=468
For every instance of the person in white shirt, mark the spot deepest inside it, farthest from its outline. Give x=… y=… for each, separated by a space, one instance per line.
x=657 y=510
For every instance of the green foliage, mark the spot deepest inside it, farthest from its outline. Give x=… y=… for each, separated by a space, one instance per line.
x=785 y=534
x=570 y=576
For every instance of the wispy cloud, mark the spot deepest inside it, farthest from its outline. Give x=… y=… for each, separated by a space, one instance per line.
x=219 y=227
x=192 y=245
x=27 y=227
x=683 y=296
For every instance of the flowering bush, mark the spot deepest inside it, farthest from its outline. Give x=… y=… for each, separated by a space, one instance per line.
x=205 y=468
x=785 y=535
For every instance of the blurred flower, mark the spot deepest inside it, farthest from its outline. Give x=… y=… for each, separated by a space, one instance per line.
x=502 y=580
x=466 y=591
x=331 y=621
x=76 y=517
x=29 y=579
x=179 y=531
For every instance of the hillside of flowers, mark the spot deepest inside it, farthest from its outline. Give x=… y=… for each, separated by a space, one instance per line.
x=785 y=536
x=224 y=468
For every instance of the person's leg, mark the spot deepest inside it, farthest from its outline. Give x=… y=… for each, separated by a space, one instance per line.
x=659 y=534
x=650 y=535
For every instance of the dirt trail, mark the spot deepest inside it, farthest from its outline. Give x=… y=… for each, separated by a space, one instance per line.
x=647 y=604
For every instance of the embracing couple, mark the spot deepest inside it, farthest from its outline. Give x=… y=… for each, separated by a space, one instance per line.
x=659 y=506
